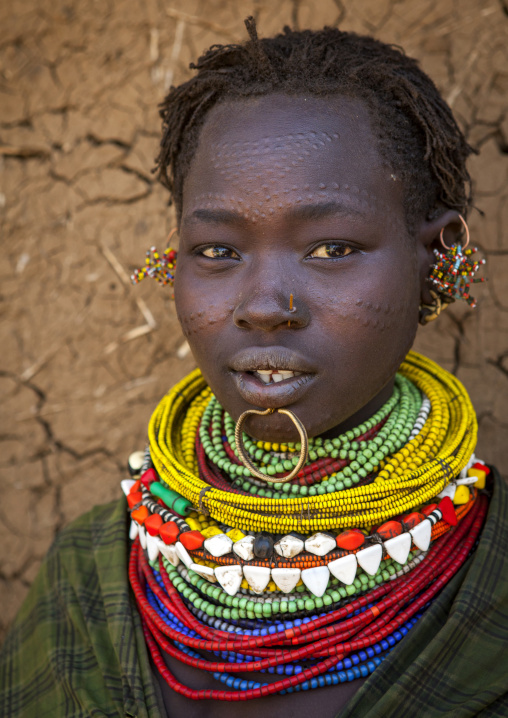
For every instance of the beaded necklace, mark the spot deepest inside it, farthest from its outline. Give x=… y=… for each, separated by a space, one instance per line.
x=341 y=561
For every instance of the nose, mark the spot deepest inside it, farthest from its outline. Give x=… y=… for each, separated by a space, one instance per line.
x=271 y=308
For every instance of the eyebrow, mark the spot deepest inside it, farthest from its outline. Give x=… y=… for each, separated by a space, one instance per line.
x=318 y=210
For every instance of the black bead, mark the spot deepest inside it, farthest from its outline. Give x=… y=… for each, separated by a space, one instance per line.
x=263 y=546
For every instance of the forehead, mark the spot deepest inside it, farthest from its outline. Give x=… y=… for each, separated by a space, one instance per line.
x=274 y=151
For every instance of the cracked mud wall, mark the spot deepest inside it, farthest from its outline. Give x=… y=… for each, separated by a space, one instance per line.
x=85 y=357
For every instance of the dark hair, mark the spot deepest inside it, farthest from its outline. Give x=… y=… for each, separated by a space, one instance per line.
x=417 y=133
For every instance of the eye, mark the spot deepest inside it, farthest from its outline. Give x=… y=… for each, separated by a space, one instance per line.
x=219 y=252
x=331 y=250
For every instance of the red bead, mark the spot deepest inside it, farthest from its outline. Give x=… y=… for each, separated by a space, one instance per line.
x=149 y=477
x=447 y=509
x=481 y=467
x=169 y=532
x=351 y=539
x=140 y=515
x=427 y=510
x=136 y=486
x=153 y=524
x=389 y=530
x=412 y=520
x=134 y=498
x=192 y=540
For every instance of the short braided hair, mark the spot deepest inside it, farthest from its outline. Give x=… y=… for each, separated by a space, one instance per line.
x=417 y=134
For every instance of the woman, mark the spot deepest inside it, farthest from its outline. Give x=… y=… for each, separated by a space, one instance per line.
x=313 y=174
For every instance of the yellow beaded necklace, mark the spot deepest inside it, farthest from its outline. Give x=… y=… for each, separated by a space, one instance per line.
x=412 y=476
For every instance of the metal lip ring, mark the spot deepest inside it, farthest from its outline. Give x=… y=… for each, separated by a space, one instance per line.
x=247 y=462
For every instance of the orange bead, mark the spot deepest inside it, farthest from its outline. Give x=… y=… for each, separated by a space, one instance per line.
x=389 y=530
x=427 y=510
x=169 y=532
x=134 y=498
x=412 y=520
x=136 y=486
x=140 y=515
x=192 y=540
x=351 y=539
x=153 y=524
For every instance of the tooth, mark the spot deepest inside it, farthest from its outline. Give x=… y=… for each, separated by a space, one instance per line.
x=264 y=377
x=287 y=374
x=264 y=371
x=277 y=377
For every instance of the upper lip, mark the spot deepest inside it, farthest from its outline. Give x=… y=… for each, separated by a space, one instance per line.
x=255 y=358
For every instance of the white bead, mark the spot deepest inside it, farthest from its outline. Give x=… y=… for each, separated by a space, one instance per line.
x=466 y=481
x=370 y=558
x=127 y=485
x=344 y=568
x=218 y=545
x=399 y=547
x=257 y=577
x=229 y=577
x=135 y=461
x=448 y=491
x=204 y=572
x=133 y=531
x=421 y=534
x=183 y=554
x=244 y=548
x=289 y=546
x=320 y=544
x=142 y=536
x=286 y=578
x=169 y=551
x=152 y=547
x=316 y=579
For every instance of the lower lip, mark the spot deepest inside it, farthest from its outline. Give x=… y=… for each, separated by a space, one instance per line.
x=274 y=395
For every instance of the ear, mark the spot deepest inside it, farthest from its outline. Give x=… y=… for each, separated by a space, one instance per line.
x=428 y=238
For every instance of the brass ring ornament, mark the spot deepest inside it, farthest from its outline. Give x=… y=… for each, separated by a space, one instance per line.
x=245 y=459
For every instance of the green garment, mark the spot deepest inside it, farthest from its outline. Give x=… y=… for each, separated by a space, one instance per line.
x=77 y=648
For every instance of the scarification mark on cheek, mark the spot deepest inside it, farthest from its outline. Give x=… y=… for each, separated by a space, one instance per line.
x=202 y=321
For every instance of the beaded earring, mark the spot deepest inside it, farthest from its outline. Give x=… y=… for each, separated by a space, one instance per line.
x=158 y=267
x=452 y=275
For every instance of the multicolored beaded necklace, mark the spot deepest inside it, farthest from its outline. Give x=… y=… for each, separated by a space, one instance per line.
x=314 y=580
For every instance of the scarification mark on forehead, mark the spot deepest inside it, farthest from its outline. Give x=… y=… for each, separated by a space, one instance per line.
x=286 y=152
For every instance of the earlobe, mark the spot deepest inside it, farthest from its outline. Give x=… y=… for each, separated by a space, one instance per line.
x=449 y=226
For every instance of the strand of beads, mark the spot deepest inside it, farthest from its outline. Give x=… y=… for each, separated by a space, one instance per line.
x=323 y=641
x=408 y=478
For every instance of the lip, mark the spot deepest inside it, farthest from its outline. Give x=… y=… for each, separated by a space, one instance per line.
x=274 y=395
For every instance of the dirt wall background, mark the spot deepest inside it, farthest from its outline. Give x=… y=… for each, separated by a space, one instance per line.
x=84 y=357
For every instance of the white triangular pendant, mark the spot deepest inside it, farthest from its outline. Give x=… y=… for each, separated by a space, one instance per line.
x=127 y=485
x=133 y=531
x=286 y=578
x=422 y=534
x=229 y=577
x=204 y=572
x=152 y=547
x=370 y=558
x=344 y=568
x=257 y=577
x=142 y=537
x=169 y=551
x=316 y=579
x=399 y=547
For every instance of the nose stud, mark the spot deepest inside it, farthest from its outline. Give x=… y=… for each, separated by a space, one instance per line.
x=291 y=308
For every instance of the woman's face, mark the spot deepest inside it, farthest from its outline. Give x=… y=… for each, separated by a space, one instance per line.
x=289 y=195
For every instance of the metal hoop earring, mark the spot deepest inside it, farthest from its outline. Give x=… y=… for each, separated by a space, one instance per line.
x=467 y=234
x=246 y=461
